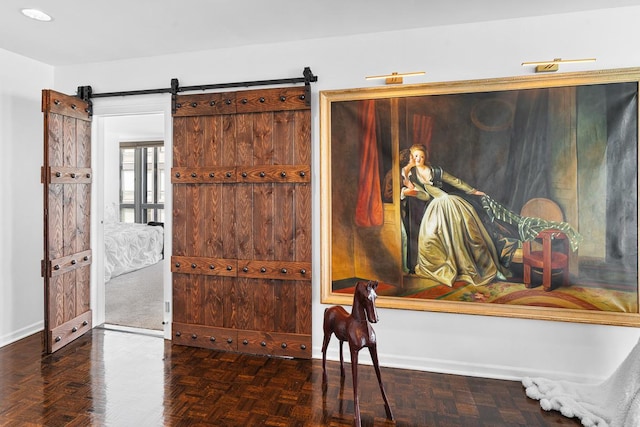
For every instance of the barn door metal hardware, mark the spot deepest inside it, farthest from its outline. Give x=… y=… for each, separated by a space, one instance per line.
x=86 y=92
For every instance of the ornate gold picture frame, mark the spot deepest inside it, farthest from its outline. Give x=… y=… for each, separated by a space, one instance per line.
x=512 y=197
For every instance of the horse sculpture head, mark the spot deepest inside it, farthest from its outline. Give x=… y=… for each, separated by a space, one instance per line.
x=365 y=294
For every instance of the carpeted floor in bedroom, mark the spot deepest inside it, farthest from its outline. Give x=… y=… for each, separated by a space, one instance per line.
x=136 y=299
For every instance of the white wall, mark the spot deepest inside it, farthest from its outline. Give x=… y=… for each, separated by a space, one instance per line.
x=21 y=156
x=472 y=345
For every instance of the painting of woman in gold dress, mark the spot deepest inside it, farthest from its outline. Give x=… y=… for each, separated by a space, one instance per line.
x=449 y=225
x=453 y=243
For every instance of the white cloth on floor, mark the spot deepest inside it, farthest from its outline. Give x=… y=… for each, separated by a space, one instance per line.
x=612 y=403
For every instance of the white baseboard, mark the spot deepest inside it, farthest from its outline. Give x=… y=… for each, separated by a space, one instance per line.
x=511 y=373
x=21 y=333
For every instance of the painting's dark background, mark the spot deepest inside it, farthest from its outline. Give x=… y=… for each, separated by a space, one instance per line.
x=574 y=145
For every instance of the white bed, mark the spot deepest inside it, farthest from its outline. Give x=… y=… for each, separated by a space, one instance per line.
x=130 y=247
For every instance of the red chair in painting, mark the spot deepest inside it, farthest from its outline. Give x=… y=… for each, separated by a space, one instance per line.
x=548 y=254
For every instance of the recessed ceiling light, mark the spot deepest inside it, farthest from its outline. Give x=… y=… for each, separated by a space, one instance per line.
x=36 y=14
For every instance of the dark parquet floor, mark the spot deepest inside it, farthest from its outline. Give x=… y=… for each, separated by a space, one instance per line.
x=112 y=378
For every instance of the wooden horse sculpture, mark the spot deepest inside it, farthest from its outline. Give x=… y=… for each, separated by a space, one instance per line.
x=357 y=331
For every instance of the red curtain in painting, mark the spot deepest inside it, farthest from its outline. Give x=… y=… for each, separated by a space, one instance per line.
x=369 y=204
x=422 y=127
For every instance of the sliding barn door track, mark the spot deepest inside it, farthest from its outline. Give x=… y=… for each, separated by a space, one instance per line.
x=86 y=92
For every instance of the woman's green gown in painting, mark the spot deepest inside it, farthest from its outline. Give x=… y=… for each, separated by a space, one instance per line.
x=453 y=243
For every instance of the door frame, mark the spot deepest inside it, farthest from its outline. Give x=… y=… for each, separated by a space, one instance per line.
x=126 y=106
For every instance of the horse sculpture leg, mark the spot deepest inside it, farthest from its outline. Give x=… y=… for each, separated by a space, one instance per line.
x=373 y=350
x=341 y=360
x=354 y=375
x=325 y=344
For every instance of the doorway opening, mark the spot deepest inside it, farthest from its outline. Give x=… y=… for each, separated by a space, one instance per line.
x=131 y=275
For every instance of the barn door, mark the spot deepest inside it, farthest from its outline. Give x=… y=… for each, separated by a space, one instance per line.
x=66 y=176
x=242 y=222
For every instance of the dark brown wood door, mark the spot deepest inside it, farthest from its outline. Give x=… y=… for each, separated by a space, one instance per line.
x=66 y=176
x=242 y=222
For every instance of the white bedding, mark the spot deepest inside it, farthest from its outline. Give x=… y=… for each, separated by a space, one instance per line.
x=129 y=247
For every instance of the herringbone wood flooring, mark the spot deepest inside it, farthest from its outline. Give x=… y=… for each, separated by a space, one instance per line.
x=111 y=378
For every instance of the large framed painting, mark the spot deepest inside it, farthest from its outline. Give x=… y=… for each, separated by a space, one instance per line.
x=513 y=197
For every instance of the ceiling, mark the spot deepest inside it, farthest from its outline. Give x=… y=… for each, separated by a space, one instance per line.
x=94 y=31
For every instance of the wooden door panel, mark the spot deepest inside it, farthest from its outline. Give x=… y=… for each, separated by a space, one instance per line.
x=179 y=284
x=232 y=303
x=54 y=202
x=213 y=140
x=261 y=139
x=210 y=245
x=179 y=152
x=54 y=284
x=244 y=221
x=303 y=307
x=83 y=295
x=224 y=143
x=69 y=140
x=66 y=175
x=187 y=306
x=55 y=299
x=214 y=301
x=302 y=205
x=195 y=141
x=179 y=224
x=283 y=130
x=263 y=305
x=285 y=305
x=195 y=301
x=302 y=136
x=69 y=218
x=241 y=172
x=232 y=225
x=262 y=222
x=193 y=219
x=284 y=223
x=211 y=206
x=244 y=139
x=245 y=304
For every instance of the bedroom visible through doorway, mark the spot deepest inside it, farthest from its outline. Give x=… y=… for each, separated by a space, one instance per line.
x=134 y=222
